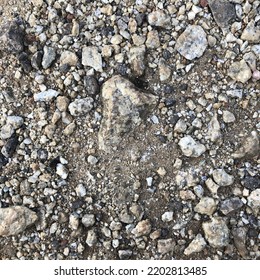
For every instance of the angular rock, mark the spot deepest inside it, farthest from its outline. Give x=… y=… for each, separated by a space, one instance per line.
x=249 y=148
x=88 y=220
x=165 y=246
x=125 y=254
x=192 y=42
x=91 y=85
x=36 y=60
x=222 y=178
x=196 y=246
x=142 y=228
x=62 y=171
x=25 y=62
x=137 y=60
x=153 y=39
x=49 y=55
x=10 y=146
x=68 y=57
x=239 y=71
x=164 y=70
x=15 y=219
x=15 y=121
x=214 y=131
x=253 y=200
x=223 y=12
x=251 y=33
x=123 y=108
x=81 y=106
x=91 y=238
x=207 y=205
x=45 y=96
x=6 y=131
x=191 y=148
x=216 y=232
x=160 y=19
x=212 y=186
x=230 y=205
x=251 y=183
x=239 y=236
x=228 y=117
x=91 y=57
x=3 y=160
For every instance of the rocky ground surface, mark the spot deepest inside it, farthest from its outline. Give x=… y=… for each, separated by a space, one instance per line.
x=129 y=129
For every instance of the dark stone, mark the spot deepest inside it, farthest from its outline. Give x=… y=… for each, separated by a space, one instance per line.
x=162 y=138
x=54 y=162
x=42 y=155
x=173 y=119
x=25 y=62
x=64 y=68
x=183 y=87
x=36 y=60
x=140 y=83
x=251 y=183
x=239 y=236
x=122 y=69
x=223 y=12
x=3 y=160
x=164 y=232
x=108 y=30
x=91 y=85
x=169 y=89
x=140 y=19
x=230 y=205
x=3 y=179
x=169 y=102
x=166 y=54
x=16 y=36
x=77 y=204
x=10 y=146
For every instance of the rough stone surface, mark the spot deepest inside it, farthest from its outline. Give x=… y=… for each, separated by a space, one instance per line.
x=230 y=205
x=160 y=19
x=222 y=178
x=124 y=106
x=91 y=57
x=251 y=33
x=239 y=71
x=214 y=131
x=45 y=96
x=68 y=57
x=137 y=60
x=207 y=205
x=88 y=220
x=81 y=106
x=192 y=42
x=191 y=148
x=253 y=200
x=196 y=246
x=142 y=228
x=15 y=219
x=216 y=232
x=165 y=246
x=49 y=55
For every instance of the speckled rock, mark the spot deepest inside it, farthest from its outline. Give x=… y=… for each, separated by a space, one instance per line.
x=239 y=71
x=49 y=55
x=253 y=200
x=91 y=57
x=142 y=228
x=222 y=178
x=196 y=245
x=45 y=96
x=165 y=246
x=68 y=57
x=160 y=19
x=81 y=106
x=207 y=205
x=230 y=205
x=191 y=148
x=251 y=33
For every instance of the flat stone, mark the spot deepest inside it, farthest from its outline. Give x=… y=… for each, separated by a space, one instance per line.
x=124 y=106
x=142 y=228
x=81 y=106
x=192 y=42
x=15 y=219
x=216 y=232
x=239 y=71
x=68 y=57
x=62 y=171
x=239 y=237
x=214 y=131
x=191 y=148
x=222 y=178
x=160 y=19
x=137 y=60
x=251 y=182
x=91 y=57
x=49 y=55
x=249 y=148
x=251 y=33
x=45 y=96
x=196 y=245
x=165 y=246
x=230 y=205
x=207 y=205
x=223 y=12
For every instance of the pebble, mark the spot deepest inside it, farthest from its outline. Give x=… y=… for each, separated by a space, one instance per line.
x=73 y=222
x=6 y=131
x=239 y=71
x=191 y=148
x=230 y=205
x=122 y=104
x=228 y=117
x=165 y=71
x=165 y=246
x=15 y=121
x=91 y=238
x=251 y=183
x=216 y=232
x=88 y=220
x=62 y=171
x=62 y=103
x=207 y=205
x=81 y=106
x=196 y=245
x=251 y=33
x=167 y=216
x=3 y=160
x=153 y=40
x=69 y=129
x=91 y=57
x=45 y=96
x=239 y=237
x=192 y=42
x=92 y=160
x=137 y=60
x=49 y=55
x=15 y=219
x=36 y=60
x=212 y=186
x=214 y=131
x=222 y=178
x=142 y=228
x=91 y=85
x=125 y=254
x=160 y=19
x=68 y=57
x=10 y=146
x=81 y=190
x=253 y=200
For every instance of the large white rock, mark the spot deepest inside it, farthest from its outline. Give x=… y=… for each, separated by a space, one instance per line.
x=45 y=96
x=91 y=57
x=191 y=148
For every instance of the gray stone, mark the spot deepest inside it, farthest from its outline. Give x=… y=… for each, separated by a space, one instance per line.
x=142 y=228
x=253 y=200
x=124 y=106
x=212 y=186
x=15 y=219
x=239 y=71
x=137 y=60
x=49 y=55
x=62 y=171
x=81 y=106
x=196 y=245
x=91 y=57
x=251 y=182
x=167 y=216
x=68 y=57
x=92 y=160
x=192 y=42
x=207 y=205
x=191 y=148
x=160 y=19
x=6 y=131
x=239 y=237
x=230 y=205
x=214 y=131
x=125 y=254
x=73 y=222
x=216 y=232
x=165 y=71
x=251 y=33
x=45 y=96
x=222 y=178
x=91 y=238
x=91 y=85
x=228 y=117
x=88 y=220
x=153 y=39
x=249 y=148
x=223 y=12
x=165 y=246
